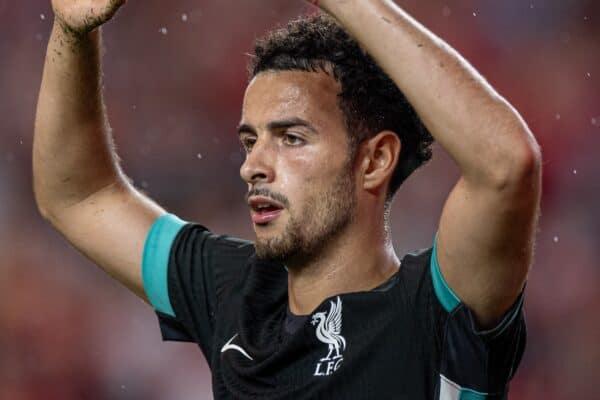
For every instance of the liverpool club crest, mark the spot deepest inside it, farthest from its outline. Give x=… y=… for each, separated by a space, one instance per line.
x=329 y=329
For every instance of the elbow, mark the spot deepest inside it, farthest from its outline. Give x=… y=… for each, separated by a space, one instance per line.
x=520 y=166
x=39 y=199
x=48 y=204
x=42 y=205
x=526 y=163
x=41 y=191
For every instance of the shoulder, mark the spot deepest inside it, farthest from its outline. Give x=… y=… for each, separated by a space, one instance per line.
x=223 y=259
x=186 y=259
x=415 y=269
x=415 y=285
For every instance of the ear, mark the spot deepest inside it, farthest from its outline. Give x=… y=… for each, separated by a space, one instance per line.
x=380 y=155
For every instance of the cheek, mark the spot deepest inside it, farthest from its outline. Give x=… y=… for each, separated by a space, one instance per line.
x=299 y=182
x=304 y=175
x=297 y=169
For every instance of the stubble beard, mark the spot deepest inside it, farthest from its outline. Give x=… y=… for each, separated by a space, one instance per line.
x=324 y=218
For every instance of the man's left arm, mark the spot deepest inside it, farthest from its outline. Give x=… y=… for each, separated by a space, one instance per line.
x=487 y=228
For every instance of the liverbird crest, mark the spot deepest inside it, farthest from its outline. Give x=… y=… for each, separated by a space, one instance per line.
x=329 y=329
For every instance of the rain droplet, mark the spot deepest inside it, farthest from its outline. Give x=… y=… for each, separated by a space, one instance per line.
x=474 y=14
x=589 y=75
x=555 y=239
x=531 y=6
x=20 y=141
x=163 y=30
x=122 y=387
x=595 y=122
x=145 y=185
x=586 y=18
x=38 y=37
x=574 y=172
x=557 y=116
x=184 y=17
x=446 y=11
x=199 y=156
x=134 y=107
x=42 y=17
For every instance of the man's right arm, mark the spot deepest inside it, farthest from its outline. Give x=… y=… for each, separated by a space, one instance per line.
x=78 y=184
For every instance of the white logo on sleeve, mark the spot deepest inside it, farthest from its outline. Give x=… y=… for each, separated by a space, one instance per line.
x=231 y=346
x=329 y=332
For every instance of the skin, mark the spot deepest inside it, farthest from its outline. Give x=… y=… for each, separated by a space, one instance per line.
x=297 y=162
x=488 y=223
x=79 y=17
x=487 y=227
x=78 y=184
x=335 y=212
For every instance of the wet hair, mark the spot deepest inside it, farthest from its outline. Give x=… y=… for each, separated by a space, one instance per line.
x=370 y=101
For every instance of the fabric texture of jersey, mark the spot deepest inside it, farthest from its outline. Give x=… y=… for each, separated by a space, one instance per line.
x=399 y=341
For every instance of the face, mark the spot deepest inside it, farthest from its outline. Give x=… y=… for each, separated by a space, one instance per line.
x=298 y=168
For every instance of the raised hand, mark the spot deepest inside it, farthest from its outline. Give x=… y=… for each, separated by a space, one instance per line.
x=83 y=16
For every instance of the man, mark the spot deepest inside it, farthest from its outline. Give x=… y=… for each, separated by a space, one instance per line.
x=319 y=306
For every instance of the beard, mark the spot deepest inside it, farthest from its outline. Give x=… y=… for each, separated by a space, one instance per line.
x=308 y=233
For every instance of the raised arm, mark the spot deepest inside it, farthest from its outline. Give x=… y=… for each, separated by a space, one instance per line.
x=78 y=184
x=487 y=227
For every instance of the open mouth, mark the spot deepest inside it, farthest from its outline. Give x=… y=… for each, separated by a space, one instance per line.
x=264 y=209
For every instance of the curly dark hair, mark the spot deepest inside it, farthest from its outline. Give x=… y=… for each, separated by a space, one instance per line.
x=369 y=99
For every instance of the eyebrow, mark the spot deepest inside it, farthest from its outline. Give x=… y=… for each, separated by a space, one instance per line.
x=278 y=125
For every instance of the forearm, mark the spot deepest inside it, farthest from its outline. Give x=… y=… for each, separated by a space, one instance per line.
x=478 y=128
x=73 y=156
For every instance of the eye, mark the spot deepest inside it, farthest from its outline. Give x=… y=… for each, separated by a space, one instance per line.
x=292 y=140
x=248 y=142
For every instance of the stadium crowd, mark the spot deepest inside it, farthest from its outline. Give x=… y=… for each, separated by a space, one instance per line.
x=174 y=79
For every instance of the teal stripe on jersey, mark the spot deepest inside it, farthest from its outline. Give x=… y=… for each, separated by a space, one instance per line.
x=445 y=295
x=452 y=391
x=469 y=394
x=155 y=261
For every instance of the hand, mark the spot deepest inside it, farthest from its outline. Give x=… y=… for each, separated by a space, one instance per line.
x=83 y=16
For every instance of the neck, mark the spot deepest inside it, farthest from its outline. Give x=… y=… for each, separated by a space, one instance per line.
x=358 y=259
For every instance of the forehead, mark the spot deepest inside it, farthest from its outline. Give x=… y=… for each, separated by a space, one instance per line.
x=273 y=95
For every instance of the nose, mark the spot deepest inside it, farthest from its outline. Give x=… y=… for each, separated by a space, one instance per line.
x=258 y=166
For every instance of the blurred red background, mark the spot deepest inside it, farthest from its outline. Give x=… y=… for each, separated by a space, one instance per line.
x=174 y=78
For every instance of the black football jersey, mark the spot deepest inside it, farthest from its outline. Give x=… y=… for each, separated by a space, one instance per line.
x=410 y=338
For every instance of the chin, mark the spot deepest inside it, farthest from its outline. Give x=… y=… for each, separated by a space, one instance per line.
x=267 y=233
x=273 y=246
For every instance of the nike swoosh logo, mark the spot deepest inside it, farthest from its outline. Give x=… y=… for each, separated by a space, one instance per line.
x=229 y=346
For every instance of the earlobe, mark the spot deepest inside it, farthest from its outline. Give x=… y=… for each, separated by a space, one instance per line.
x=381 y=157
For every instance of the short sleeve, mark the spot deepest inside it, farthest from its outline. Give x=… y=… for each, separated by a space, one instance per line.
x=155 y=261
x=184 y=267
x=476 y=364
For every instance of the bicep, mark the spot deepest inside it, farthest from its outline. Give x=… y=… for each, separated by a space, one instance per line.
x=110 y=228
x=485 y=243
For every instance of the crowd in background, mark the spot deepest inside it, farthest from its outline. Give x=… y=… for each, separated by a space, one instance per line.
x=174 y=76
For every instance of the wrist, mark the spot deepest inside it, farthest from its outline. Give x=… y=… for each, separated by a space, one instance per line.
x=81 y=31
x=68 y=38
